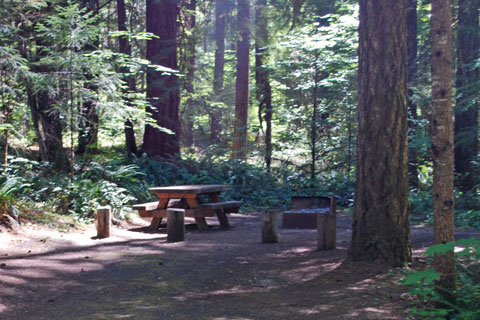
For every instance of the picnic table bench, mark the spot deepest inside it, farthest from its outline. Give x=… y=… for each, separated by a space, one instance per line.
x=189 y=197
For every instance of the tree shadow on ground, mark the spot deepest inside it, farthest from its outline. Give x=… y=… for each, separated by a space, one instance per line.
x=212 y=275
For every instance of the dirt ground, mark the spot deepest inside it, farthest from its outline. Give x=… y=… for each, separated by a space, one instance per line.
x=218 y=274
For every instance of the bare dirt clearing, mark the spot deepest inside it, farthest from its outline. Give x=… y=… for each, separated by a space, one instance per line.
x=218 y=274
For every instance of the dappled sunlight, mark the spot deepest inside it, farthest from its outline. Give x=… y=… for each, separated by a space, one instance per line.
x=12 y=280
x=218 y=271
x=205 y=295
x=375 y=310
x=232 y=318
x=309 y=272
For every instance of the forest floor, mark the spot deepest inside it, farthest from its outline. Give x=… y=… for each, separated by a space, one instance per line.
x=218 y=274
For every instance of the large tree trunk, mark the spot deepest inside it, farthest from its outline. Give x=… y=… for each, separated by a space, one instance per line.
x=162 y=90
x=466 y=110
x=412 y=45
x=442 y=135
x=48 y=128
x=46 y=119
x=124 y=48
x=264 y=92
x=380 y=222
x=241 y=94
x=220 y=19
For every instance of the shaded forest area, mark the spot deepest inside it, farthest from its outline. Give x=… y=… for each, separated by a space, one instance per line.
x=101 y=100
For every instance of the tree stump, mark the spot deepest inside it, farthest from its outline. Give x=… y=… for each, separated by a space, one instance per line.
x=327 y=231
x=103 y=221
x=175 y=225
x=270 y=227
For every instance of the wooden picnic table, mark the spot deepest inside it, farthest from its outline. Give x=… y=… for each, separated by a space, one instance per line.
x=189 y=197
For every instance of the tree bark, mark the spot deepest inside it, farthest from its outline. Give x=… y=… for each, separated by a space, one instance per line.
x=466 y=110
x=162 y=90
x=264 y=91
x=48 y=128
x=442 y=135
x=241 y=94
x=221 y=11
x=380 y=222
x=46 y=119
x=125 y=48
x=412 y=45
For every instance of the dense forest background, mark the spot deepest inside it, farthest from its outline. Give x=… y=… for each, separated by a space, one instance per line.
x=102 y=99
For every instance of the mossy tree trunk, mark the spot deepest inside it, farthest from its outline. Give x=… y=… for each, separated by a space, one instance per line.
x=380 y=222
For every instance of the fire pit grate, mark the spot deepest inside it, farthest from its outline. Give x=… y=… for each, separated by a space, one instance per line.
x=305 y=211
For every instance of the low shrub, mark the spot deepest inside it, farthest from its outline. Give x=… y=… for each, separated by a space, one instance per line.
x=433 y=302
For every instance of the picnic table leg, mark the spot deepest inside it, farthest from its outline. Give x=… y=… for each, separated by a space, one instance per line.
x=155 y=224
x=201 y=223
x=221 y=216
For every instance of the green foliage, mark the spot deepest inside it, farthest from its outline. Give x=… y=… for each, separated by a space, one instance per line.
x=465 y=304
x=10 y=186
x=251 y=184
x=98 y=184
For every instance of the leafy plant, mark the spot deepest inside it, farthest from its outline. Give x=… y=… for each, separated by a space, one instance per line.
x=466 y=302
x=8 y=204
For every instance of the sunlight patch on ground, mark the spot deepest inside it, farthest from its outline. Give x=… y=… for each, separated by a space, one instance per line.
x=211 y=294
x=375 y=310
x=309 y=272
x=12 y=280
x=363 y=285
x=315 y=310
x=223 y=318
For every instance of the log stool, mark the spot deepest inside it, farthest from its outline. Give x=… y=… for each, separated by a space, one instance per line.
x=103 y=221
x=175 y=225
x=270 y=226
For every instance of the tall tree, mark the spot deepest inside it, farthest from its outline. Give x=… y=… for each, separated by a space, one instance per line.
x=380 y=221
x=466 y=110
x=125 y=48
x=263 y=92
x=46 y=119
x=221 y=11
x=88 y=118
x=442 y=135
x=412 y=46
x=189 y=26
x=241 y=86
x=162 y=90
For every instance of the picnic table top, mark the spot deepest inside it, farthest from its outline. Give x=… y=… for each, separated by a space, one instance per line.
x=191 y=189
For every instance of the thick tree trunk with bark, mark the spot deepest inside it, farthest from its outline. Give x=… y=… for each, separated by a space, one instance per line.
x=241 y=94
x=466 y=110
x=48 y=128
x=442 y=135
x=264 y=91
x=221 y=11
x=380 y=222
x=125 y=48
x=162 y=90
x=412 y=45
